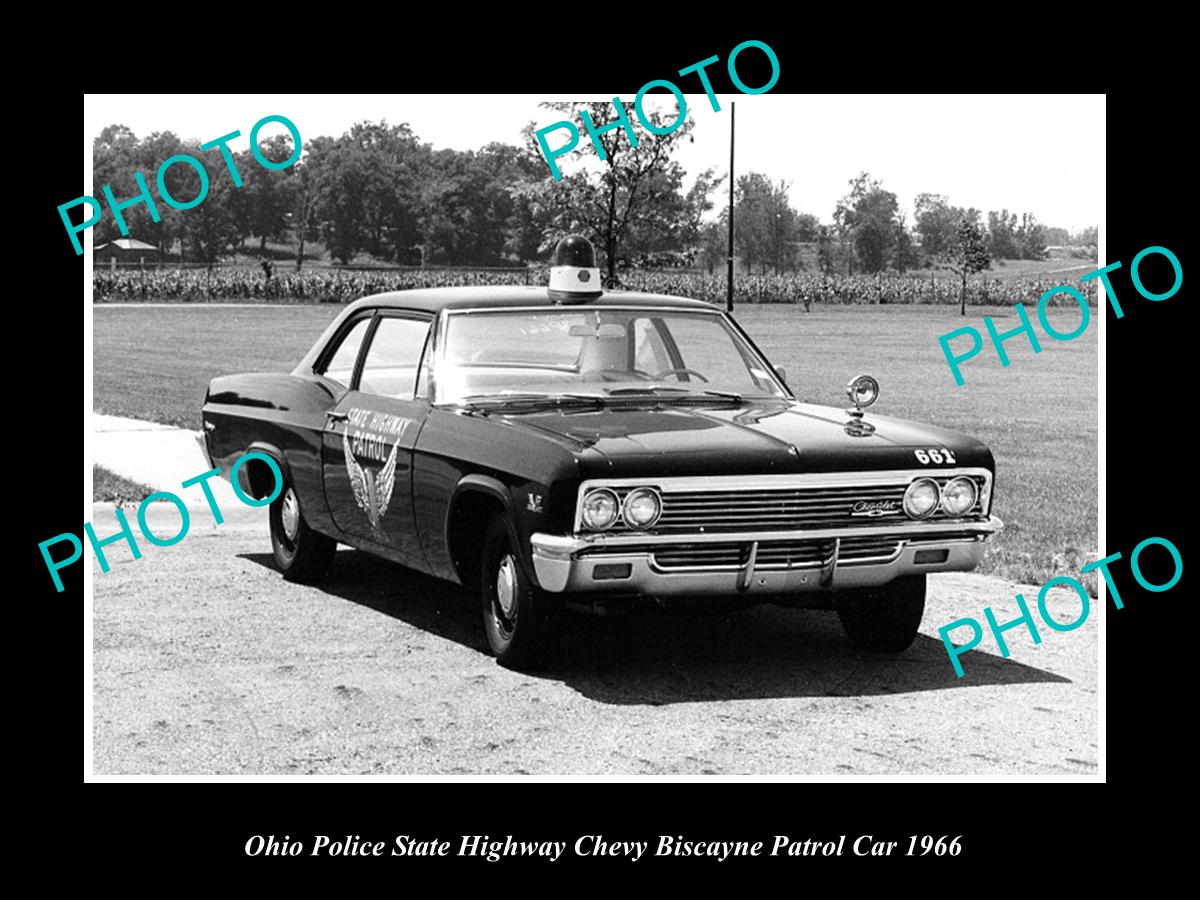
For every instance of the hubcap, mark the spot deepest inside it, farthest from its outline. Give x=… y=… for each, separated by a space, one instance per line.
x=506 y=592
x=290 y=515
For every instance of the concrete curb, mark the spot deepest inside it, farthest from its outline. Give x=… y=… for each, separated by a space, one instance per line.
x=159 y=456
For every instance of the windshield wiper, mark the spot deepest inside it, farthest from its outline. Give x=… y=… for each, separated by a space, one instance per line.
x=505 y=398
x=680 y=393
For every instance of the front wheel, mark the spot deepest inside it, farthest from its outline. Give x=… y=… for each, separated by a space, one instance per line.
x=301 y=553
x=519 y=619
x=884 y=619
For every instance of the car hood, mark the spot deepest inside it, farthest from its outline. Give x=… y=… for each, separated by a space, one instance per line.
x=769 y=438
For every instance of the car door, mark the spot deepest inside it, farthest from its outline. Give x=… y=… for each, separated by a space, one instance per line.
x=370 y=434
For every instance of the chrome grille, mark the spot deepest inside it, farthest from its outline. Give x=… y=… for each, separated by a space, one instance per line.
x=783 y=508
x=792 y=554
x=869 y=549
x=702 y=556
x=771 y=555
x=774 y=555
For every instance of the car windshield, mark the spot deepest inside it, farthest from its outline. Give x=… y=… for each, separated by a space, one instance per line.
x=598 y=353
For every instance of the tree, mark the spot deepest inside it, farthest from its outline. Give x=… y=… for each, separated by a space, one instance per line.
x=768 y=229
x=635 y=192
x=530 y=220
x=808 y=227
x=843 y=226
x=117 y=154
x=304 y=197
x=268 y=194
x=1057 y=236
x=714 y=241
x=698 y=202
x=208 y=230
x=936 y=222
x=468 y=207
x=659 y=231
x=366 y=186
x=968 y=254
x=1002 y=235
x=114 y=157
x=904 y=254
x=1031 y=239
x=868 y=217
x=754 y=219
x=152 y=152
x=825 y=237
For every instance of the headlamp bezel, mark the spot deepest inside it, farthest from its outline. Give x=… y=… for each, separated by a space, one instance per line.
x=636 y=492
x=937 y=502
x=583 y=509
x=974 y=496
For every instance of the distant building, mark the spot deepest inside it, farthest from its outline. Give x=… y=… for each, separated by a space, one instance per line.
x=126 y=250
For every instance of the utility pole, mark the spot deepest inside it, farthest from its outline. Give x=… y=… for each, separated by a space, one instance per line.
x=729 y=271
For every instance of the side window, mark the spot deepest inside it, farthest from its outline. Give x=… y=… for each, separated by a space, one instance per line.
x=649 y=351
x=340 y=367
x=426 y=372
x=706 y=347
x=390 y=368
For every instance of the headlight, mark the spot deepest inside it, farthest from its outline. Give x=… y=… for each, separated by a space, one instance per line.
x=958 y=496
x=642 y=507
x=863 y=391
x=921 y=498
x=599 y=509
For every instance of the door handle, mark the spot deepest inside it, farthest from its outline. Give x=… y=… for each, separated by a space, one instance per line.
x=333 y=416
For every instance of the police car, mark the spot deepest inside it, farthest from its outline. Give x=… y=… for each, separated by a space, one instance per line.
x=568 y=447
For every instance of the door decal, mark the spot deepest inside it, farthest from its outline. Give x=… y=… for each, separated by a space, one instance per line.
x=372 y=487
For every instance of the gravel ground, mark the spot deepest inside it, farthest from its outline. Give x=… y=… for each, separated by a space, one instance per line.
x=207 y=662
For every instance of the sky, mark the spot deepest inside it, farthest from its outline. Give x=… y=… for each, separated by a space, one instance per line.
x=1043 y=153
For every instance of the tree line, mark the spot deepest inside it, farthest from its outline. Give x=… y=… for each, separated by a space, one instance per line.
x=378 y=190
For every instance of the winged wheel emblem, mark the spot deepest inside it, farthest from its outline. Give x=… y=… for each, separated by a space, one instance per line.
x=372 y=489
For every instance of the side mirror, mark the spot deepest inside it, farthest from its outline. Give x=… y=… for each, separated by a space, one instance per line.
x=781 y=372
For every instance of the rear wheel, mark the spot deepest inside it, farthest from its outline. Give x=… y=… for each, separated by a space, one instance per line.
x=886 y=618
x=301 y=553
x=519 y=619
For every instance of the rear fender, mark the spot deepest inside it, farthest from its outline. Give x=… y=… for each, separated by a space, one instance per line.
x=252 y=481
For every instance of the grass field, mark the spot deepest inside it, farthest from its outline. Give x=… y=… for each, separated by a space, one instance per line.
x=1038 y=415
x=108 y=487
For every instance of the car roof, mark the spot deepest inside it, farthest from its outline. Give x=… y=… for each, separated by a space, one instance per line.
x=502 y=296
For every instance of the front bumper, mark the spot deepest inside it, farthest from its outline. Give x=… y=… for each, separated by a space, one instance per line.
x=568 y=563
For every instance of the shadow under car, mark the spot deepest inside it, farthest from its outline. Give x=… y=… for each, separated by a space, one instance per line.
x=660 y=656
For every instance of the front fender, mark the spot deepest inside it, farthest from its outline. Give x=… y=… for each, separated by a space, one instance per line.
x=485 y=484
x=494 y=489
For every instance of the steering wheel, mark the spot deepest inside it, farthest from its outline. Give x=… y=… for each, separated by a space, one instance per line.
x=666 y=372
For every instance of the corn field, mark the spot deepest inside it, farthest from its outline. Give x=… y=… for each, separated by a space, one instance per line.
x=333 y=286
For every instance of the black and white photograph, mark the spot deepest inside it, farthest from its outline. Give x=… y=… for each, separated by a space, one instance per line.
x=691 y=434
